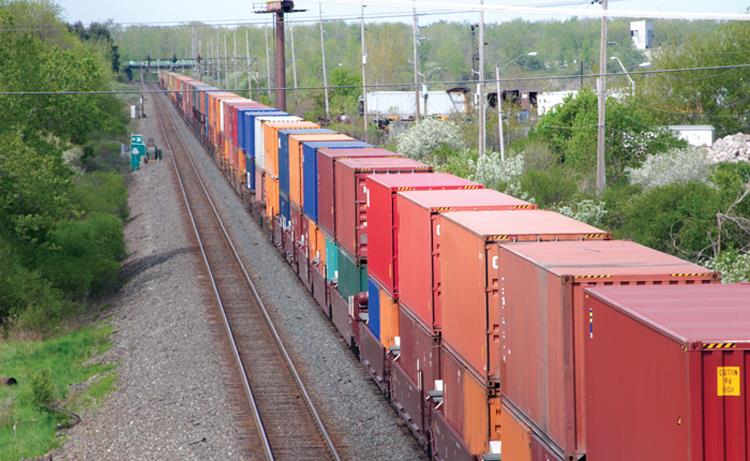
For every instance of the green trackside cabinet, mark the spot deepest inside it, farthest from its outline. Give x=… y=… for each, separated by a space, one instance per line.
x=137 y=151
x=352 y=276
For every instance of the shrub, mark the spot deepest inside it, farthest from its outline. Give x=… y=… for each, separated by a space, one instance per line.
x=549 y=187
x=677 y=165
x=101 y=193
x=425 y=138
x=733 y=266
x=85 y=255
x=42 y=389
x=503 y=176
x=461 y=163
x=678 y=218
x=591 y=212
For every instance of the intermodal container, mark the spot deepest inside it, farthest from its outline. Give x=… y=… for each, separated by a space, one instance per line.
x=332 y=260
x=352 y=197
x=327 y=159
x=382 y=225
x=310 y=172
x=520 y=442
x=285 y=212
x=417 y=259
x=469 y=263
x=373 y=307
x=316 y=244
x=259 y=136
x=295 y=181
x=470 y=407
x=352 y=275
x=667 y=370
x=282 y=154
x=244 y=128
x=542 y=322
x=271 y=142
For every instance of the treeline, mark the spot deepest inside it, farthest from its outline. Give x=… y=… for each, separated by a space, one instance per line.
x=62 y=196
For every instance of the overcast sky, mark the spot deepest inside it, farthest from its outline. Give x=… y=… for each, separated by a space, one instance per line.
x=160 y=11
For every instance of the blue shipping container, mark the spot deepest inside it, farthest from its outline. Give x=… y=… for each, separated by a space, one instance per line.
x=283 y=154
x=285 y=211
x=242 y=131
x=373 y=307
x=248 y=127
x=310 y=171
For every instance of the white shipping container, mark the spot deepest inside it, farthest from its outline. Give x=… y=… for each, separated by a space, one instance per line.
x=260 y=155
x=695 y=135
x=402 y=103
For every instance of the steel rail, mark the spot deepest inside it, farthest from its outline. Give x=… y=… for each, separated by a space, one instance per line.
x=264 y=311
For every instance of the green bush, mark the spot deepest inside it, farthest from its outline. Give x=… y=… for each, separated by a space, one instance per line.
x=101 y=193
x=104 y=156
x=549 y=187
x=42 y=390
x=85 y=255
x=678 y=218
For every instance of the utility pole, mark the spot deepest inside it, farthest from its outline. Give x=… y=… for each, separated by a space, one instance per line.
x=323 y=56
x=226 y=64
x=194 y=47
x=200 y=53
x=364 y=72
x=234 y=61
x=415 y=33
x=248 y=66
x=601 y=174
x=269 y=85
x=480 y=86
x=500 y=132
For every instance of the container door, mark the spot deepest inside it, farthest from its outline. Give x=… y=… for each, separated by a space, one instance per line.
x=492 y=289
x=725 y=405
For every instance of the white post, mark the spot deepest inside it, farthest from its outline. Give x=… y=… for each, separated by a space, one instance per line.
x=601 y=172
x=415 y=33
x=480 y=86
x=268 y=61
x=500 y=133
x=323 y=57
x=364 y=71
x=249 y=68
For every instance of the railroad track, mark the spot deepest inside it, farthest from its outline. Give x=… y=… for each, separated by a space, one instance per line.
x=289 y=426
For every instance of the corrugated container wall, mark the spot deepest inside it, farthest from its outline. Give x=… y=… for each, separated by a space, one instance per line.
x=382 y=225
x=543 y=323
x=667 y=370
x=351 y=199
x=418 y=254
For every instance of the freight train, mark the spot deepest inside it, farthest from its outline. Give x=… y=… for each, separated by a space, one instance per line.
x=495 y=329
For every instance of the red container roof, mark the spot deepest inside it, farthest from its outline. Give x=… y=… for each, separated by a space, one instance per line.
x=603 y=258
x=383 y=162
x=520 y=222
x=461 y=198
x=421 y=180
x=687 y=313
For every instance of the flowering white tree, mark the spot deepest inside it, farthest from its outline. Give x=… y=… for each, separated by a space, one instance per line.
x=501 y=175
x=678 y=165
x=427 y=136
x=589 y=211
x=733 y=266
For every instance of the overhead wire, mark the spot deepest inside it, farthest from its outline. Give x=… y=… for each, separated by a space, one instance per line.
x=675 y=71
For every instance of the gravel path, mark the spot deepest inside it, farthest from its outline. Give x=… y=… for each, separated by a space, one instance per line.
x=173 y=399
x=354 y=410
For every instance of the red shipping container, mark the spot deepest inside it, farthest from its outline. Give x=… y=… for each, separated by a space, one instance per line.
x=667 y=370
x=418 y=257
x=327 y=159
x=542 y=322
x=469 y=262
x=352 y=197
x=381 y=249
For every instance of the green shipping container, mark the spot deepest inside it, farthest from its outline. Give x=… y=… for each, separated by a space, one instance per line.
x=332 y=260
x=352 y=277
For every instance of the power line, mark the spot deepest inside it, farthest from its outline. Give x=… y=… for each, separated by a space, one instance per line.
x=392 y=85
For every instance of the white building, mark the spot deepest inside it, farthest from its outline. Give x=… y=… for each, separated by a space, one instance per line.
x=548 y=100
x=695 y=135
x=642 y=34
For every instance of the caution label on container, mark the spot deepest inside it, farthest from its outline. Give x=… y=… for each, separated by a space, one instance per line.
x=728 y=381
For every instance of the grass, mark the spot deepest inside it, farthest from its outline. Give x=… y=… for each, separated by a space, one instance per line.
x=26 y=430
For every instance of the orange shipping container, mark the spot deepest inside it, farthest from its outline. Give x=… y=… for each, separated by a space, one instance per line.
x=469 y=264
x=271 y=142
x=388 y=320
x=316 y=245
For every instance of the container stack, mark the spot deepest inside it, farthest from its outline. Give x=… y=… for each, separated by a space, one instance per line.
x=496 y=330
